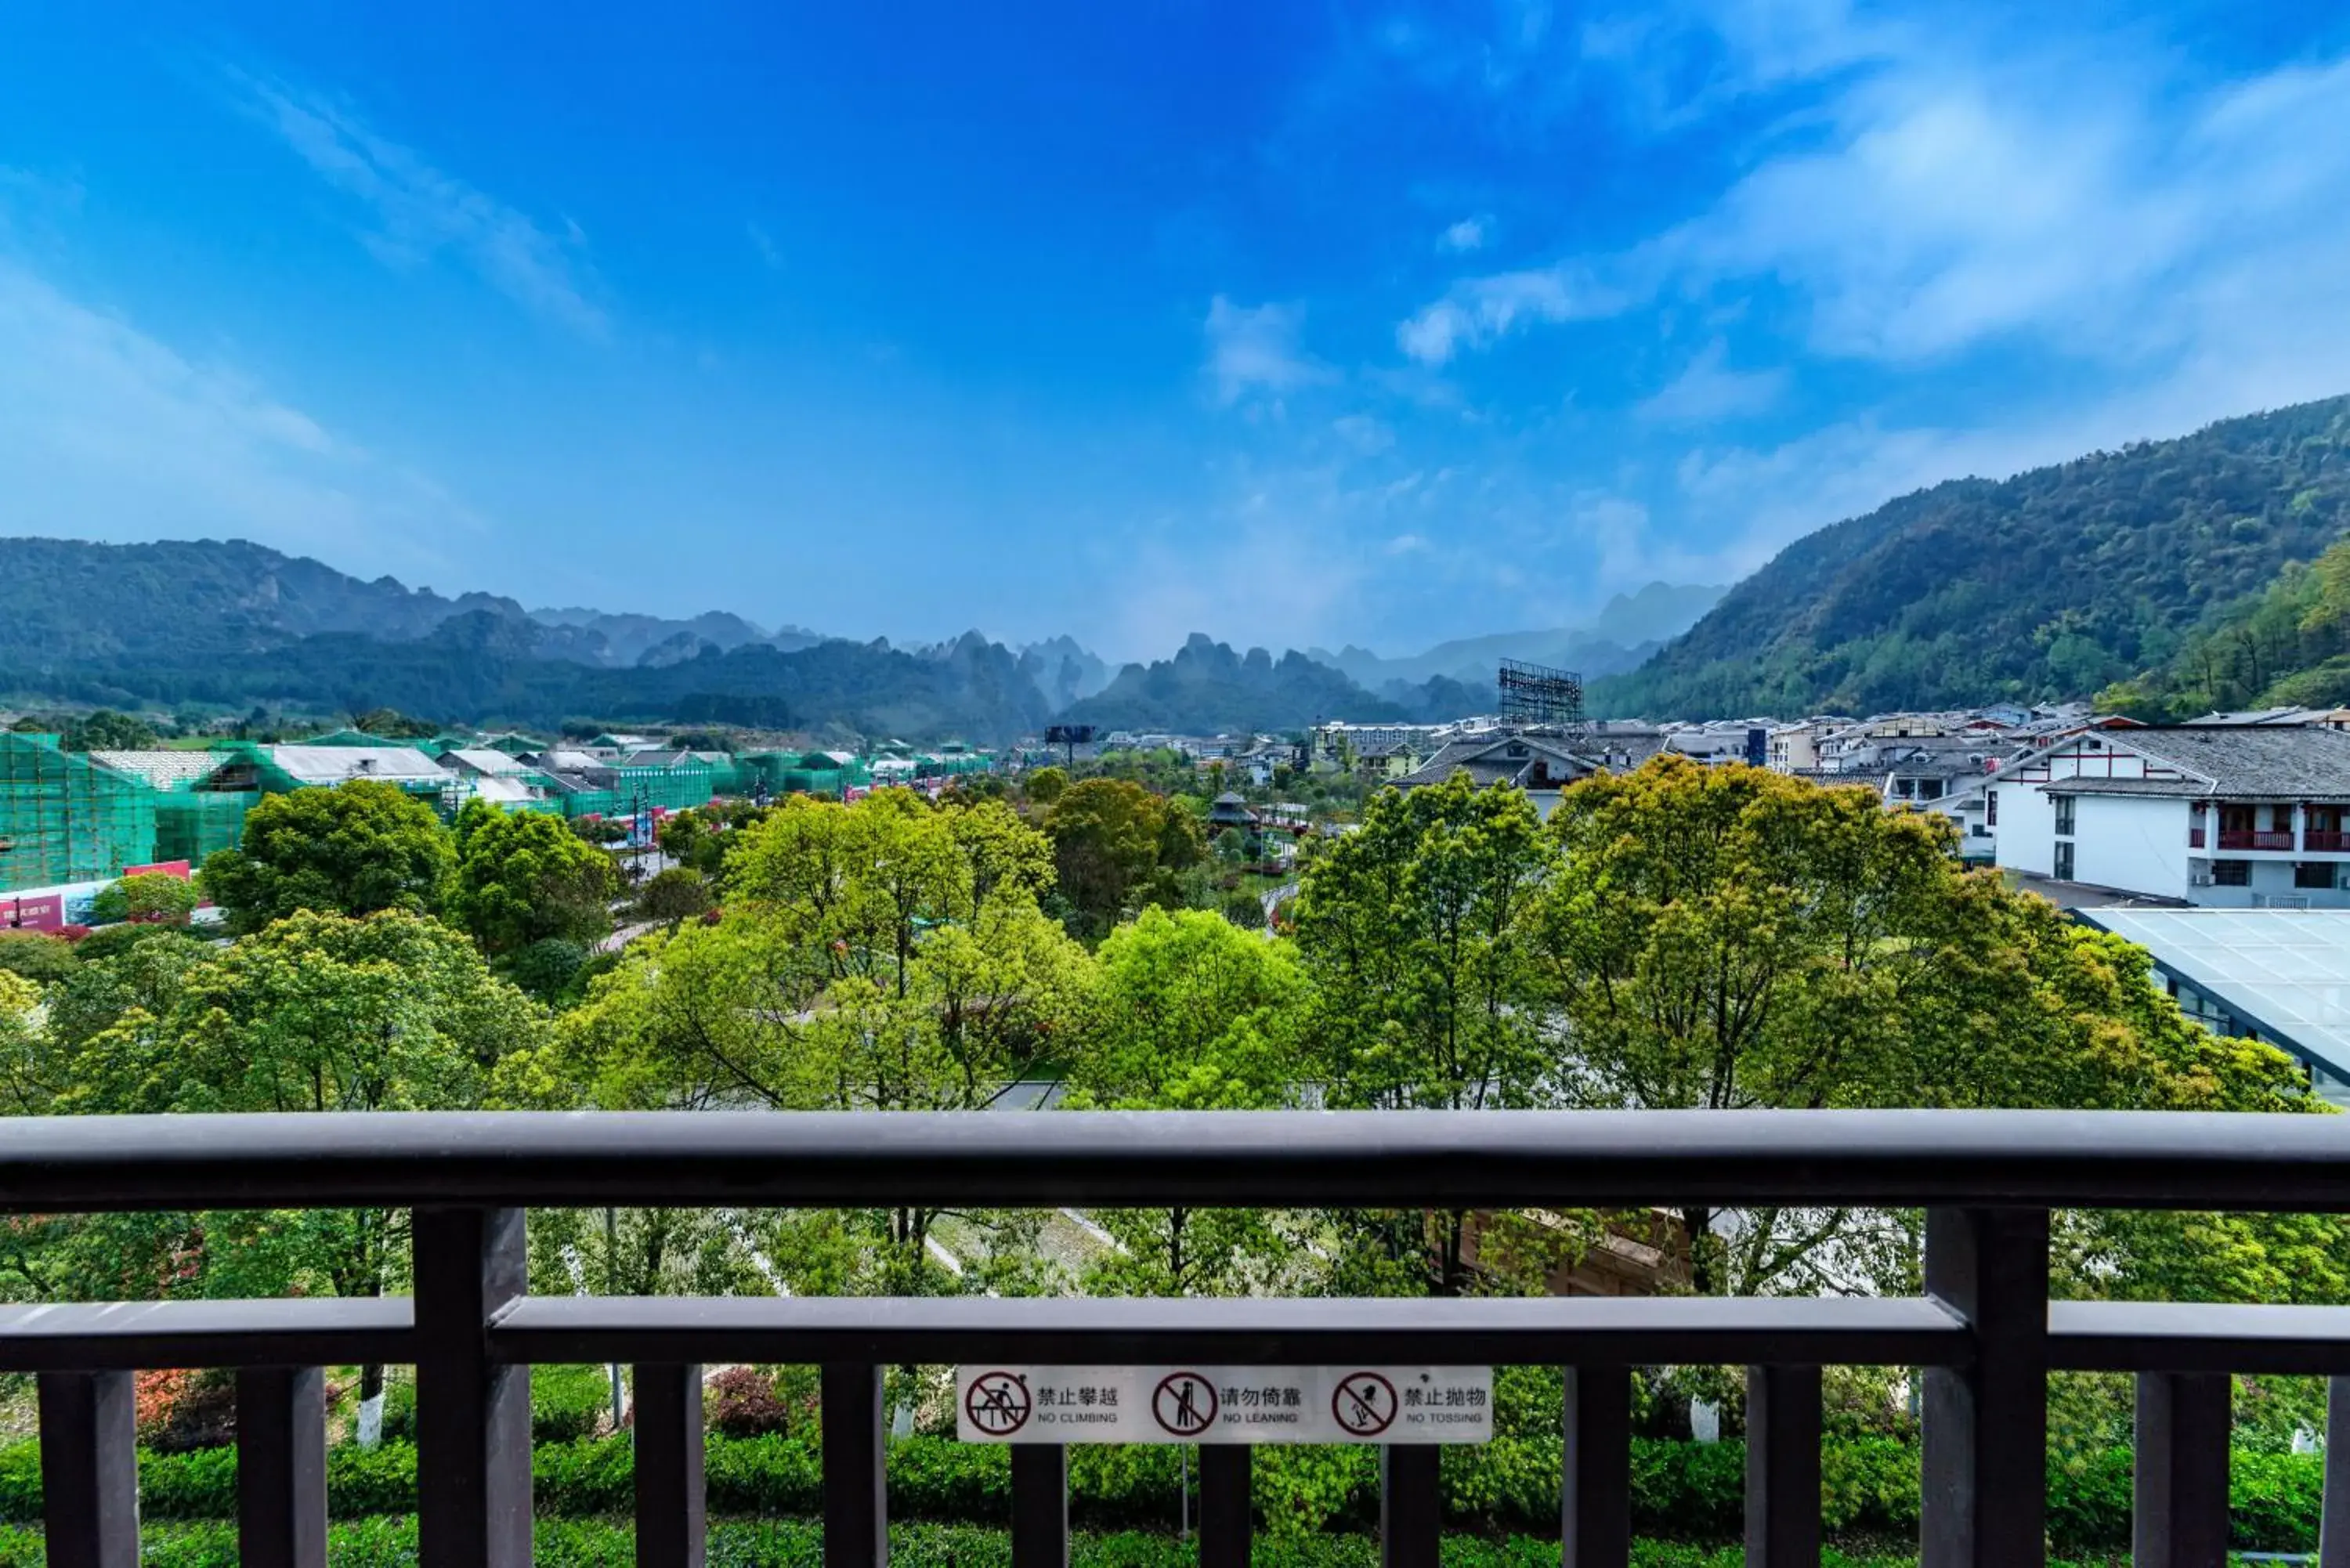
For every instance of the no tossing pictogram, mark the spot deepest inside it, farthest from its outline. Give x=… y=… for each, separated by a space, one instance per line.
x=1363 y=1403
x=997 y=1403
x=1184 y=1403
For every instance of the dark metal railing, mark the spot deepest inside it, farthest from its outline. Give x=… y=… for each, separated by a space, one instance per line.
x=1984 y=1332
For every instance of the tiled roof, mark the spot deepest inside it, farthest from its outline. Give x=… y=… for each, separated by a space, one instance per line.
x=339 y=765
x=1487 y=759
x=162 y=768
x=2272 y=761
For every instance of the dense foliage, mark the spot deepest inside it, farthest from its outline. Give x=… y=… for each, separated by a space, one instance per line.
x=1681 y=1491
x=2288 y=644
x=1678 y=936
x=524 y=877
x=2049 y=585
x=360 y=847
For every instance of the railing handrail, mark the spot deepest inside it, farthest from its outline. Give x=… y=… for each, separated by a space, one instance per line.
x=1232 y=1158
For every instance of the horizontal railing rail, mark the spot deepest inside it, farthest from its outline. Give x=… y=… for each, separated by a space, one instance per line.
x=1436 y=1160
x=1983 y=1332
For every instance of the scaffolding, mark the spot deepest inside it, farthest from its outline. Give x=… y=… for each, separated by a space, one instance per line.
x=65 y=819
x=190 y=823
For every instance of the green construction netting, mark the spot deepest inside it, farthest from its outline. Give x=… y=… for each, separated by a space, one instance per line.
x=65 y=819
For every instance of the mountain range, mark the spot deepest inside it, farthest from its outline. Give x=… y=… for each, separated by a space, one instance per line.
x=1627 y=630
x=2051 y=584
x=231 y=624
x=2136 y=573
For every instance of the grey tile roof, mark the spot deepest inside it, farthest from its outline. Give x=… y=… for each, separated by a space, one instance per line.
x=2236 y=760
x=1488 y=759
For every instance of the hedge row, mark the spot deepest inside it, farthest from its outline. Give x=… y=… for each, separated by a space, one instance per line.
x=792 y=1543
x=1690 y=1491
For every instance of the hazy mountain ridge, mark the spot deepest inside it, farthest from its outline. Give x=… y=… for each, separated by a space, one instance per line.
x=1627 y=630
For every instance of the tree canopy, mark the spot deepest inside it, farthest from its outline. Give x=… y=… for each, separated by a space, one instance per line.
x=353 y=849
x=523 y=877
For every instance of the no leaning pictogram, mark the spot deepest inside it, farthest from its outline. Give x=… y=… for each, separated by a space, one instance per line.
x=1363 y=1403
x=1184 y=1403
x=997 y=1403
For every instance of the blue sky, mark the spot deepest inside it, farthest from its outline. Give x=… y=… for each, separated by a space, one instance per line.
x=1291 y=324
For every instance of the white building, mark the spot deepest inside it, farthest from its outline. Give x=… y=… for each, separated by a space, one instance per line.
x=2235 y=817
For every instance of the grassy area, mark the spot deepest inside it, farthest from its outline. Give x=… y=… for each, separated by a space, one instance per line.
x=390 y=1542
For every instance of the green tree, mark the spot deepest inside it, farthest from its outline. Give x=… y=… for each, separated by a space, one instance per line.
x=1188 y=1013
x=881 y=955
x=319 y=1012
x=353 y=849
x=1416 y=934
x=672 y=897
x=36 y=956
x=394 y=725
x=1046 y=787
x=693 y=841
x=1726 y=936
x=108 y=730
x=154 y=898
x=523 y=877
x=1117 y=846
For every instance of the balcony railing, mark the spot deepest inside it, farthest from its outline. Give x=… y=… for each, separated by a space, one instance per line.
x=2249 y=838
x=1984 y=1331
x=2326 y=841
x=2194 y=838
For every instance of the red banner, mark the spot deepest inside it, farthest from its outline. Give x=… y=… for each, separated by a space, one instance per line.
x=33 y=912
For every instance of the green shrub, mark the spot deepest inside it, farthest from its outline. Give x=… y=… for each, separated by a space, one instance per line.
x=1681 y=1492
x=36 y=956
x=568 y=1403
x=799 y=1543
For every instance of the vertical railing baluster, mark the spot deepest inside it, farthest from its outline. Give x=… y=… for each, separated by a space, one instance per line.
x=1783 y=1467
x=1040 y=1505
x=1411 y=1505
x=1596 y=1482
x=281 y=1467
x=2180 y=1511
x=856 y=1482
x=1984 y=1500
x=1227 y=1508
x=89 y=1469
x=672 y=1529
x=473 y=1416
x=2333 y=1520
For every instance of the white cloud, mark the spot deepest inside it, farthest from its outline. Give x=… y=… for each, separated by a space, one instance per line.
x=1257 y=349
x=107 y=432
x=1467 y=235
x=1478 y=311
x=1942 y=198
x=1708 y=390
x=418 y=211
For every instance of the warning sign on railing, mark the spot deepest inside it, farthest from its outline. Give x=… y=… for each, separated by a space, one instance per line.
x=1225 y=1404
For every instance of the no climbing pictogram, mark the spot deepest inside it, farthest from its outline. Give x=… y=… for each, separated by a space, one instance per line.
x=997 y=1403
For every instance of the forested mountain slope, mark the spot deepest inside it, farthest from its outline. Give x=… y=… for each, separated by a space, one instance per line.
x=2286 y=646
x=65 y=599
x=2049 y=585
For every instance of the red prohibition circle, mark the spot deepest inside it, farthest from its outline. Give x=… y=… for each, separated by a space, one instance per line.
x=997 y=1403
x=1191 y=1421
x=1353 y=1404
